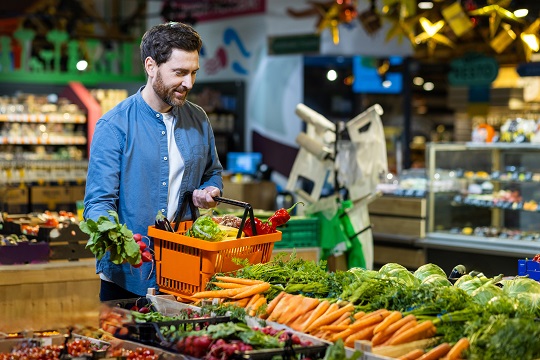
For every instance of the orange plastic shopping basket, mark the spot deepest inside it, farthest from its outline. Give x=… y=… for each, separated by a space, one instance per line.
x=184 y=264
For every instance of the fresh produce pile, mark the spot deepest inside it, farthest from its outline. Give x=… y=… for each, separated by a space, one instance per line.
x=77 y=348
x=472 y=317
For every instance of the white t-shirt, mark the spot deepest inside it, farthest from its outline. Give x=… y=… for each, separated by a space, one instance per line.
x=176 y=167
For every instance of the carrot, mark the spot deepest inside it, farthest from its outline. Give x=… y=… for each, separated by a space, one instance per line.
x=334 y=328
x=225 y=293
x=390 y=319
x=319 y=311
x=376 y=312
x=240 y=303
x=252 y=300
x=272 y=305
x=331 y=316
x=437 y=352
x=405 y=327
x=295 y=325
x=369 y=320
x=252 y=290
x=392 y=328
x=344 y=319
x=228 y=285
x=304 y=305
x=260 y=301
x=359 y=315
x=341 y=335
x=280 y=307
x=412 y=355
x=364 y=334
x=458 y=348
x=238 y=280
x=417 y=332
x=379 y=338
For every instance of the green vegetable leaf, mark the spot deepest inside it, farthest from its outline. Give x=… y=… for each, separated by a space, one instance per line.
x=110 y=235
x=206 y=229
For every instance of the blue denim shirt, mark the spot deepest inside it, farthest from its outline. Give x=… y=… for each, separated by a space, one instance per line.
x=128 y=172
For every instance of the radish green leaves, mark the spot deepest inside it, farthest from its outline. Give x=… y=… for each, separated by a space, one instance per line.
x=107 y=234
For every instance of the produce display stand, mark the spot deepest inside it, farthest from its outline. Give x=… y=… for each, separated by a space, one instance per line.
x=50 y=295
x=149 y=334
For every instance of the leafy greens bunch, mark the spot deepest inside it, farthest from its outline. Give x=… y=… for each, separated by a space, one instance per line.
x=296 y=276
x=107 y=234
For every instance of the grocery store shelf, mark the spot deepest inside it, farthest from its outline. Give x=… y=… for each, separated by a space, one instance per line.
x=66 y=118
x=480 y=245
x=35 y=140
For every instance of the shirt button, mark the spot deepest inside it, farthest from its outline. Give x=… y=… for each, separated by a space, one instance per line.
x=163 y=210
x=165 y=158
x=163 y=133
x=164 y=183
x=157 y=115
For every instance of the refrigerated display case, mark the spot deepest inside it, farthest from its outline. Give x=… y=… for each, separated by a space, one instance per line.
x=487 y=214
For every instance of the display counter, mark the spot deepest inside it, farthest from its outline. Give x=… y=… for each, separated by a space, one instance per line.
x=51 y=295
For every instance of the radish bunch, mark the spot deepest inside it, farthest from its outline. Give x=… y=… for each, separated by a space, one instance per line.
x=146 y=255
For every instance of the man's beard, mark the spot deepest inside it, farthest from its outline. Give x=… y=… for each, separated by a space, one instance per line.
x=167 y=95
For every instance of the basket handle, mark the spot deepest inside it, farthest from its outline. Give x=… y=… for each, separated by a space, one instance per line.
x=188 y=200
x=248 y=209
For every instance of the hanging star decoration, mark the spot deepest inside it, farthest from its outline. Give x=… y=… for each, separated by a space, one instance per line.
x=431 y=35
x=530 y=40
x=497 y=12
x=403 y=28
x=331 y=15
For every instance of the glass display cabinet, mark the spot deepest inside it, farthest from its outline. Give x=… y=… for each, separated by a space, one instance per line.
x=483 y=205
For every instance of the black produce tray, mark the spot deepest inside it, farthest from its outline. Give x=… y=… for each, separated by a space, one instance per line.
x=149 y=333
x=297 y=352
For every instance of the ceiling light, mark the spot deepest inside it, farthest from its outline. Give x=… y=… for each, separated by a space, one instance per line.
x=521 y=13
x=418 y=81
x=425 y=5
x=331 y=75
x=428 y=86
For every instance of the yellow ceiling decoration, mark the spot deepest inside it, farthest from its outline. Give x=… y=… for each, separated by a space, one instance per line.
x=431 y=35
x=461 y=25
x=496 y=14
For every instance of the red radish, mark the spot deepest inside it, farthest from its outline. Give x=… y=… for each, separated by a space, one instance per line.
x=144 y=310
x=137 y=237
x=146 y=256
x=142 y=245
x=138 y=265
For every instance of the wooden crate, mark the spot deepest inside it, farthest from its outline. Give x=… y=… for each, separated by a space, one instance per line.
x=308 y=254
x=397 y=206
x=398 y=226
x=401 y=216
x=49 y=296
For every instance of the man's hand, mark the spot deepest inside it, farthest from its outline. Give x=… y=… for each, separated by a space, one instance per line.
x=204 y=199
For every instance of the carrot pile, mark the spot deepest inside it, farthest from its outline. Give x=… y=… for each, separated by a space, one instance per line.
x=245 y=293
x=333 y=321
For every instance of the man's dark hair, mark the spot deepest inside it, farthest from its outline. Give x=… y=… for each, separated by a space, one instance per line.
x=159 y=41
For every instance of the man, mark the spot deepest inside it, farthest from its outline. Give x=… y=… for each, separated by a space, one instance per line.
x=151 y=149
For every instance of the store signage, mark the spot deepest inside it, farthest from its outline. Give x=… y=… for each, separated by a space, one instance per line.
x=294 y=44
x=528 y=69
x=473 y=70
